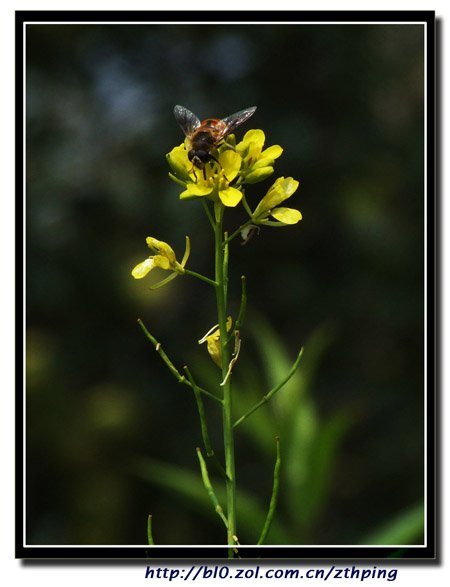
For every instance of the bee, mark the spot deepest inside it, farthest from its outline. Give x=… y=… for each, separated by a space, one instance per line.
x=204 y=137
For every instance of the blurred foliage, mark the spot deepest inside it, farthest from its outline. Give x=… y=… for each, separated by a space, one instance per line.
x=109 y=431
x=310 y=449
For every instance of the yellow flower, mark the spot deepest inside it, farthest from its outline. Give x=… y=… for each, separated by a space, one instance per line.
x=165 y=259
x=245 y=163
x=207 y=182
x=282 y=189
x=180 y=164
x=212 y=339
x=257 y=163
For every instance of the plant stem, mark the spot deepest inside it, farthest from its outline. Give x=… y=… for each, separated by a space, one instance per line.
x=208 y=214
x=274 y=498
x=272 y=392
x=239 y=230
x=209 y=488
x=241 y=315
x=149 y=531
x=199 y=276
x=204 y=426
x=170 y=365
x=221 y=281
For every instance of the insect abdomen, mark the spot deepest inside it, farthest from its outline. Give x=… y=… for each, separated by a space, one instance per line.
x=203 y=140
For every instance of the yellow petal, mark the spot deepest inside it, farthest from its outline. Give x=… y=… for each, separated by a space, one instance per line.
x=273 y=152
x=231 y=164
x=287 y=215
x=143 y=268
x=259 y=174
x=162 y=261
x=202 y=188
x=274 y=196
x=254 y=152
x=186 y=195
x=230 y=197
x=180 y=164
x=281 y=190
x=289 y=186
x=263 y=162
x=242 y=148
x=213 y=343
x=215 y=350
x=162 y=248
x=256 y=136
x=152 y=243
x=167 y=252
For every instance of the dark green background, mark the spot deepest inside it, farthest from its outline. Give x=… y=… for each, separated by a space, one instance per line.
x=346 y=104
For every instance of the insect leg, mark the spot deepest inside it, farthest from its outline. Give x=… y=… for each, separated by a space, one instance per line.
x=193 y=171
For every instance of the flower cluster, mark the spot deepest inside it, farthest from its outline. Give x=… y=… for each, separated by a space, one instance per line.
x=210 y=184
x=222 y=181
x=236 y=165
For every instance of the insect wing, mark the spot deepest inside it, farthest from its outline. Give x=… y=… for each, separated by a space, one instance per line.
x=235 y=120
x=186 y=119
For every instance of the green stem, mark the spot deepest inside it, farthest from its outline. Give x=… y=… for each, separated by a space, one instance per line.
x=208 y=214
x=149 y=531
x=170 y=365
x=239 y=230
x=246 y=206
x=178 y=181
x=209 y=488
x=241 y=315
x=225 y=266
x=221 y=281
x=203 y=424
x=272 y=392
x=199 y=276
x=274 y=498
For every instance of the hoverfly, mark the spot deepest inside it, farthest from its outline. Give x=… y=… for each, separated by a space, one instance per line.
x=204 y=137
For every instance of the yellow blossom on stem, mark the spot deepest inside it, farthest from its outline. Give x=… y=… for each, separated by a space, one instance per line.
x=212 y=339
x=281 y=189
x=257 y=163
x=164 y=258
x=180 y=164
x=213 y=181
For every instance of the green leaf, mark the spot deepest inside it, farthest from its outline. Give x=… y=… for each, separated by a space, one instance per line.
x=321 y=462
x=406 y=528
